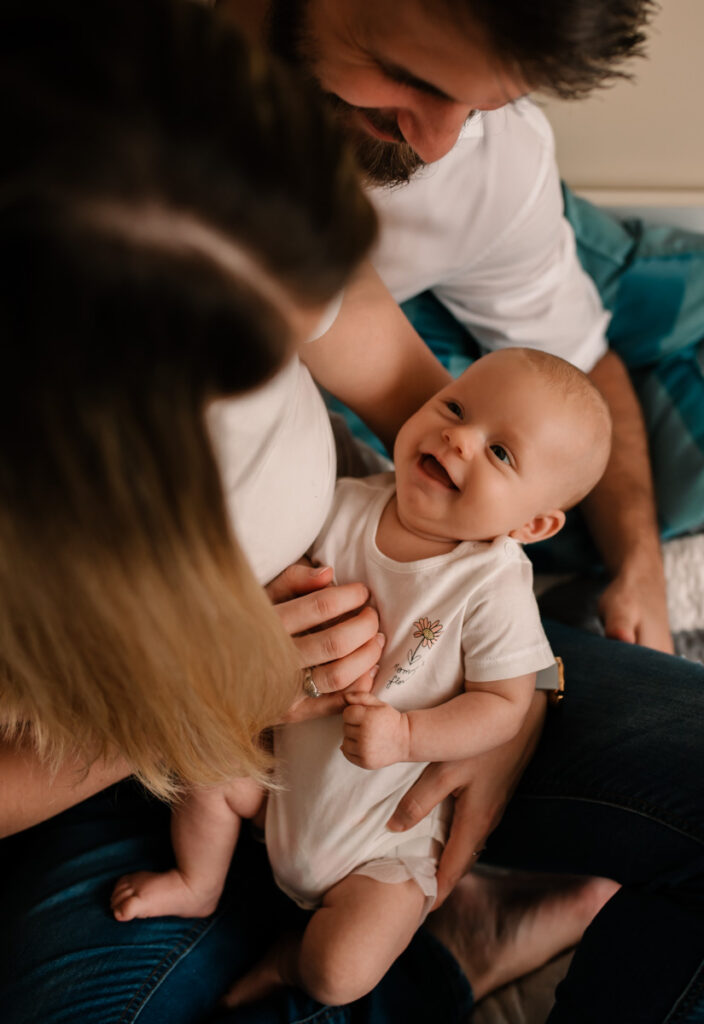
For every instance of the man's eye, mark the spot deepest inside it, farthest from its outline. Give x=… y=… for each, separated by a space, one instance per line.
x=500 y=452
x=455 y=408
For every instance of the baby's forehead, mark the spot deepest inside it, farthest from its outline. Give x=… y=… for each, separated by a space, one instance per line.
x=496 y=377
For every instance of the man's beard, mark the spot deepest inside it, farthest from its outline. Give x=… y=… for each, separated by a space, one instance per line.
x=381 y=163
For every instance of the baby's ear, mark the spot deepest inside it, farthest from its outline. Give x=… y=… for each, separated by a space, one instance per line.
x=540 y=527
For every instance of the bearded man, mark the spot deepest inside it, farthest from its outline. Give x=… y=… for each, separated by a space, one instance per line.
x=431 y=95
x=608 y=788
x=461 y=167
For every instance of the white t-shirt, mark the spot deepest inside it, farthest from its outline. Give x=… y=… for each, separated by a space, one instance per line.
x=484 y=229
x=469 y=614
x=276 y=455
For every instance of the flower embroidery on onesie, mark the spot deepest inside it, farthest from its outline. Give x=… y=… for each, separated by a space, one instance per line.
x=427 y=633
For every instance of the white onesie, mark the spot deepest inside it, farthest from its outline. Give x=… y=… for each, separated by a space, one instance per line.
x=469 y=614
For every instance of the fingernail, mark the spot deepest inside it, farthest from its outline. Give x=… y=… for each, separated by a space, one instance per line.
x=373 y=671
x=394 y=826
x=381 y=639
x=320 y=570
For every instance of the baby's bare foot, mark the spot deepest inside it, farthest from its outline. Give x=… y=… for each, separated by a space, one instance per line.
x=501 y=925
x=152 y=894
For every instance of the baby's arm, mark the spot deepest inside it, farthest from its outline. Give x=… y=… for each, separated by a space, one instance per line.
x=485 y=716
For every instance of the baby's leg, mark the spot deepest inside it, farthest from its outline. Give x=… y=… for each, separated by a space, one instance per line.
x=204 y=830
x=350 y=943
x=347 y=947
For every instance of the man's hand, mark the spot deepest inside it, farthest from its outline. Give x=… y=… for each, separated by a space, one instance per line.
x=621 y=515
x=633 y=609
x=375 y=734
x=482 y=786
x=338 y=654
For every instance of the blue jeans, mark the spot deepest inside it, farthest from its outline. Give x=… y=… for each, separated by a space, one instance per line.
x=616 y=788
x=65 y=960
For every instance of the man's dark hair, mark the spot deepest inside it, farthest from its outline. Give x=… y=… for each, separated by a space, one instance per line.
x=564 y=47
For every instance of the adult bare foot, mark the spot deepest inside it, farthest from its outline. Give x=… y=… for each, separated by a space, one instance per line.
x=500 y=925
x=265 y=977
x=152 y=894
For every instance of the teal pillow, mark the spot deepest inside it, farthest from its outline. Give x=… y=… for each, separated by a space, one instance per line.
x=651 y=278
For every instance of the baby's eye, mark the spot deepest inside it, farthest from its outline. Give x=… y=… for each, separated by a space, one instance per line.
x=500 y=452
x=454 y=407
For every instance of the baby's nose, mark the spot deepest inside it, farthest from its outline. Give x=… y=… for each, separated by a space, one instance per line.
x=463 y=439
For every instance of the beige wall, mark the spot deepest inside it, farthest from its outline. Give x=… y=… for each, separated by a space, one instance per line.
x=649 y=134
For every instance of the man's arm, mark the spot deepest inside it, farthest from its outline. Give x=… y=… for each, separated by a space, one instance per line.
x=373 y=360
x=622 y=518
x=516 y=279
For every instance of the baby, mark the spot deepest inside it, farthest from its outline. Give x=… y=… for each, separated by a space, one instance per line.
x=489 y=463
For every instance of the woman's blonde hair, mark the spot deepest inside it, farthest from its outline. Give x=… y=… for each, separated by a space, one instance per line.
x=130 y=619
x=166 y=195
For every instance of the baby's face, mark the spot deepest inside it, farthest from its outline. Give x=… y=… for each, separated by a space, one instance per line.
x=486 y=454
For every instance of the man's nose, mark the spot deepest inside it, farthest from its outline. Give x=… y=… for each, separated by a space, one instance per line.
x=431 y=126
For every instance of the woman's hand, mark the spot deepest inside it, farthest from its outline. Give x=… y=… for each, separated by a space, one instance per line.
x=340 y=653
x=482 y=786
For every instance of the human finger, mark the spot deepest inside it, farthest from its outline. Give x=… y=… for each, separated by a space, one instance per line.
x=351 y=729
x=317 y=706
x=352 y=756
x=120 y=892
x=620 y=627
x=313 y=610
x=339 y=641
x=637 y=615
x=297 y=579
x=436 y=782
x=351 y=671
x=656 y=637
x=465 y=842
x=353 y=715
x=652 y=627
x=306 y=708
x=366 y=681
x=360 y=698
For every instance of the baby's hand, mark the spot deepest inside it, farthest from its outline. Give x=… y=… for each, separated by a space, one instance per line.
x=375 y=734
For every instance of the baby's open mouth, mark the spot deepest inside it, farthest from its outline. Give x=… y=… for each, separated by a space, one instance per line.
x=431 y=466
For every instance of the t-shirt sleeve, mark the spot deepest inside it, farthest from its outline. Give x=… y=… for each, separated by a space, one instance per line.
x=529 y=288
x=328 y=317
x=484 y=229
x=502 y=636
